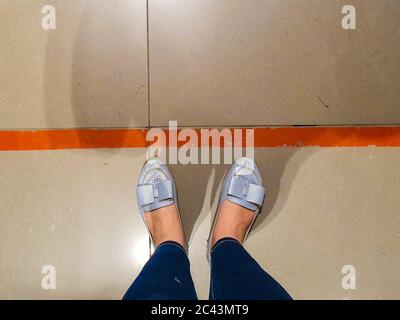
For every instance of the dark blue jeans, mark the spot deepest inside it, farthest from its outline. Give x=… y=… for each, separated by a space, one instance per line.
x=235 y=275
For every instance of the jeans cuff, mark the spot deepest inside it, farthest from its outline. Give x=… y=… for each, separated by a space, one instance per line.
x=222 y=240
x=174 y=243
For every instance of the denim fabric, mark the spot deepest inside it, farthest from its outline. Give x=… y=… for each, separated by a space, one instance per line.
x=235 y=275
x=166 y=276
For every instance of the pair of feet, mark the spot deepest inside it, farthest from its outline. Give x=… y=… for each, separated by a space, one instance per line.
x=232 y=221
x=241 y=199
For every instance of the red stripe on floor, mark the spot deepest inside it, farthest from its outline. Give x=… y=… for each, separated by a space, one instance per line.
x=72 y=139
x=328 y=137
x=263 y=137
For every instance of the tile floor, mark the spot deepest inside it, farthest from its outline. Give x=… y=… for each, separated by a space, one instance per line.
x=212 y=63
x=275 y=59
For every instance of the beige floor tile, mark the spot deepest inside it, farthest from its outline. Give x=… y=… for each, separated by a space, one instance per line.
x=236 y=62
x=325 y=208
x=91 y=71
x=75 y=210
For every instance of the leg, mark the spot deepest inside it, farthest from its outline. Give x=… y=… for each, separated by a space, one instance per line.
x=235 y=275
x=166 y=276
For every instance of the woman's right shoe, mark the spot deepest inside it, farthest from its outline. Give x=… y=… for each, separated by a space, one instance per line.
x=242 y=185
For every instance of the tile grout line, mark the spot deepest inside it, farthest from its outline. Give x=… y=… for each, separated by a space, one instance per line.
x=233 y=126
x=148 y=86
x=148 y=64
x=261 y=126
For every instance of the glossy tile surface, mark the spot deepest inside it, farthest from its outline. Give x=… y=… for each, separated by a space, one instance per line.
x=91 y=71
x=325 y=209
x=76 y=211
x=273 y=62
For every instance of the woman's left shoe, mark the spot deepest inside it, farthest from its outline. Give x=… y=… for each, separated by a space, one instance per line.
x=155 y=189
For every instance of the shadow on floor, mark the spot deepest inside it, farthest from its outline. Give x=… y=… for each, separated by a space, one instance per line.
x=108 y=74
x=193 y=182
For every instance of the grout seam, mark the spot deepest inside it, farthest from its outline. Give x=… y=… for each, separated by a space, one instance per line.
x=148 y=65
x=210 y=126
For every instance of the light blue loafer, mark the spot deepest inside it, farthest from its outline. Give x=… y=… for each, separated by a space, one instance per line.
x=243 y=186
x=155 y=189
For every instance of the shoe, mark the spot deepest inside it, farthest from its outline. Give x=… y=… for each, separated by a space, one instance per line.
x=242 y=185
x=155 y=189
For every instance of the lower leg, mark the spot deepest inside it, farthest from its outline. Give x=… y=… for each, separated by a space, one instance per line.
x=166 y=276
x=234 y=273
x=233 y=222
x=164 y=224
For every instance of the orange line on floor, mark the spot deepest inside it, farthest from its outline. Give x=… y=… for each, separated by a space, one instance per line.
x=327 y=137
x=72 y=139
x=263 y=137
